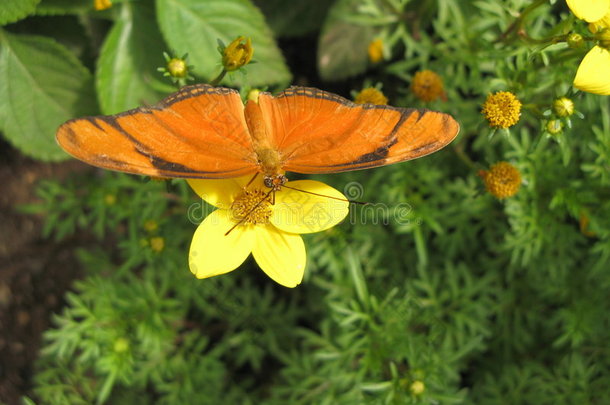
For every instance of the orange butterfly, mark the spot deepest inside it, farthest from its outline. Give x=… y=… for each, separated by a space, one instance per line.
x=206 y=132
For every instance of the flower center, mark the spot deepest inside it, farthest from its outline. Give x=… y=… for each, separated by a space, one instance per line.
x=252 y=207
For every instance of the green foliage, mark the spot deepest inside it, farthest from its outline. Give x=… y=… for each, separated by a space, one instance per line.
x=41 y=85
x=13 y=10
x=435 y=293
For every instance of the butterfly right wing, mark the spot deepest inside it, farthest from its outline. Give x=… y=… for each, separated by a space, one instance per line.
x=320 y=132
x=198 y=132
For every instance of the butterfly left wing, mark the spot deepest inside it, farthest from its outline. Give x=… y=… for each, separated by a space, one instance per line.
x=320 y=132
x=198 y=132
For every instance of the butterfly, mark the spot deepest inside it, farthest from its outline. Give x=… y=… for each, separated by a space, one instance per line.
x=207 y=132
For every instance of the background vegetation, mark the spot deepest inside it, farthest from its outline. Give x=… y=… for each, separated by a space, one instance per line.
x=466 y=299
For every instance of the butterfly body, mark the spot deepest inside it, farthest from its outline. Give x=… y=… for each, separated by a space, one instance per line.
x=206 y=132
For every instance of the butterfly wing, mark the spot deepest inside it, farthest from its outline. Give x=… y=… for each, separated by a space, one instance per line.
x=198 y=132
x=320 y=132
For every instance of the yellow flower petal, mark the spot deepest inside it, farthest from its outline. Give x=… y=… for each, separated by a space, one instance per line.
x=221 y=192
x=300 y=212
x=592 y=75
x=589 y=10
x=281 y=255
x=212 y=252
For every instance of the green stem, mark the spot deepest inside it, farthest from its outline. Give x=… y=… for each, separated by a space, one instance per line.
x=219 y=77
x=518 y=23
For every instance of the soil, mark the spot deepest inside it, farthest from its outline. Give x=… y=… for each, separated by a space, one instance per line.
x=34 y=272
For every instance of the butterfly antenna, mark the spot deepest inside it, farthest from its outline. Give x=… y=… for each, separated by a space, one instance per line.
x=327 y=196
x=241 y=221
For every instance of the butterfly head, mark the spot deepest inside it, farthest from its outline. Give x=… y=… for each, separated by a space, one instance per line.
x=275 y=182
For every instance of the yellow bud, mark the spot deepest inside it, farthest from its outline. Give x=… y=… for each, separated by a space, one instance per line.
x=417 y=388
x=110 y=199
x=554 y=127
x=253 y=95
x=177 y=67
x=237 y=54
x=151 y=225
x=563 y=107
x=575 y=40
x=376 y=50
x=121 y=345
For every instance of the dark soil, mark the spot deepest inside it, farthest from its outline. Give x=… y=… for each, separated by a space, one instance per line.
x=34 y=272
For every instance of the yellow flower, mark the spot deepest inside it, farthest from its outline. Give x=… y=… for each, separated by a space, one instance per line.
x=237 y=54
x=502 y=180
x=502 y=109
x=371 y=95
x=247 y=222
x=589 y=10
x=376 y=50
x=427 y=86
x=100 y=5
x=592 y=74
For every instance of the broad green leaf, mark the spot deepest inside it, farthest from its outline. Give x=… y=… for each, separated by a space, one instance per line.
x=343 y=46
x=127 y=75
x=15 y=10
x=294 y=18
x=194 y=26
x=62 y=7
x=42 y=85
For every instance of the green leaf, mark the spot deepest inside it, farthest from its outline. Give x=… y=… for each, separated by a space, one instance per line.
x=294 y=18
x=194 y=26
x=343 y=46
x=63 y=7
x=15 y=10
x=42 y=85
x=127 y=74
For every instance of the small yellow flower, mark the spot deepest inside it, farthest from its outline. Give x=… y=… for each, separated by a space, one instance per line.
x=563 y=107
x=427 y=86
x=417 y=387
x=247 y=222
x=371 y=95
x=100 y=5
x=237 y=54
x=502 y=109
x=502 y=180
x=376 y=50
x=157 y=244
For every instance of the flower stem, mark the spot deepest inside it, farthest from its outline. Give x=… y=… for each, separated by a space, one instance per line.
x=219 y=77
